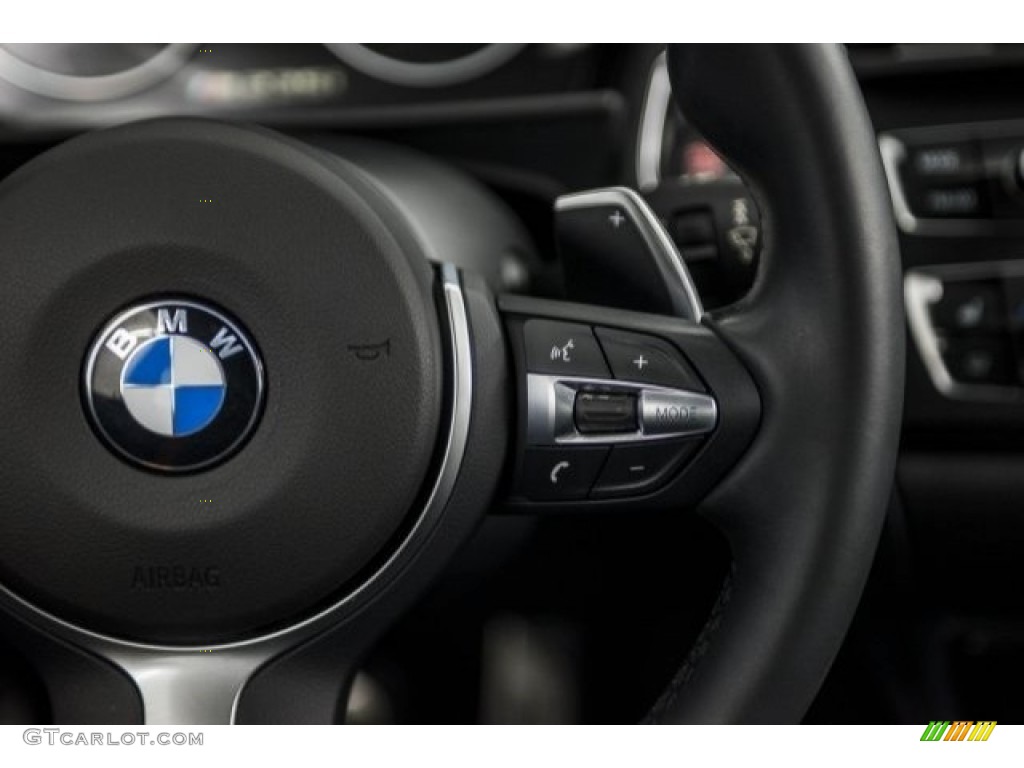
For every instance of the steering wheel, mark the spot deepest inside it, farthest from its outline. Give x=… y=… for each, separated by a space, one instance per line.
x=261 y=391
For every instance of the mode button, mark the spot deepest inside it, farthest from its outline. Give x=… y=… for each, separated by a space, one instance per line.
x=663 y=412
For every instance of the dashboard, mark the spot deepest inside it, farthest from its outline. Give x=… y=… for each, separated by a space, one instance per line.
x=533 y=122
x=73 y=86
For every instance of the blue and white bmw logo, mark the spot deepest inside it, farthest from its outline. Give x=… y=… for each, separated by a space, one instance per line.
x=173 y=385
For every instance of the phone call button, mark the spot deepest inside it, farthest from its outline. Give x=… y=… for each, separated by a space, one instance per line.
x=561 y=474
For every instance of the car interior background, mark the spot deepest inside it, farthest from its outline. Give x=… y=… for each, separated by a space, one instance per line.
x=529 y=623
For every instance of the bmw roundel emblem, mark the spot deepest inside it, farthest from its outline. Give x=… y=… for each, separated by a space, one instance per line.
x=173 y=385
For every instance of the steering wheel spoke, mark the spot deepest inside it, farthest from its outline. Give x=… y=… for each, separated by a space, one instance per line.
x=301 y=673
x=620 y=410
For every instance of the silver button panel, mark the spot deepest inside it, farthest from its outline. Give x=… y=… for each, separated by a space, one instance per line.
x=663 y=413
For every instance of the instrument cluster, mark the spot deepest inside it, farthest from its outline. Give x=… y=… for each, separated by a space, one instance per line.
x=74 y=86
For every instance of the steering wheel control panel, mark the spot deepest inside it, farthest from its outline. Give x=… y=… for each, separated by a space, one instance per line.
x=628 y=395
x=967 y=321
x=608 y=413
x=957 y=180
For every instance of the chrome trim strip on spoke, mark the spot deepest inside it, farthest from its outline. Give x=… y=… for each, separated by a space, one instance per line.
x=198 y=685
x=188 y=688
x=682 y=289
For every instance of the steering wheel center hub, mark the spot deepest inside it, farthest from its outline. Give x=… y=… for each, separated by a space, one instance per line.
x=280 y=473
x=173 y=385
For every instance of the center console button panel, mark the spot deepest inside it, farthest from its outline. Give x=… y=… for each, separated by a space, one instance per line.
x=967 y=322
x=959 y=180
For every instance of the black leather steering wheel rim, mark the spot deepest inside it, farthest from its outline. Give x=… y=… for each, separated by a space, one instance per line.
x=816 y=352
x=822 y=335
